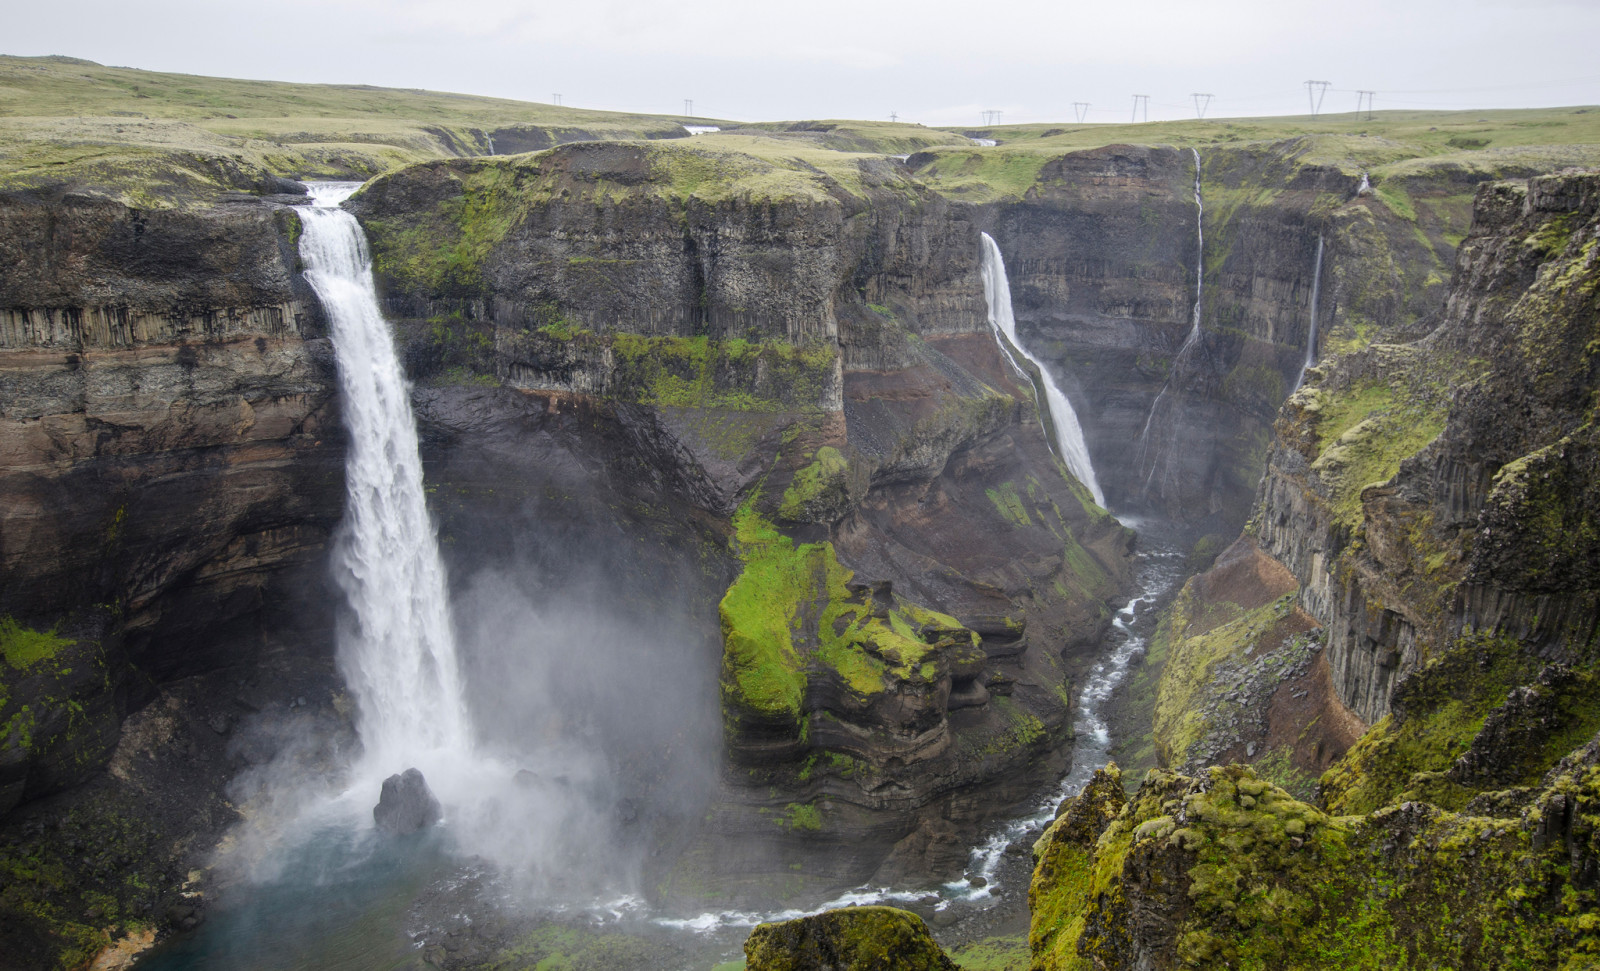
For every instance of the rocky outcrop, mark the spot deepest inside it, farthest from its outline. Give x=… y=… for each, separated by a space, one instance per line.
x=406 y=804
x=1227 y=869
x=170 y=466
x=1400 y=489
x=858 y=939
x=1243 y=676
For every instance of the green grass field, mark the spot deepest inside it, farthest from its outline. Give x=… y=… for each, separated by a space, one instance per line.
x=159 y=139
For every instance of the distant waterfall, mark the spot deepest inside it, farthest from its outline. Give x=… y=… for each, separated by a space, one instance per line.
x=399 y=656
x=1311 y=330
x=1153 y=461
x=1069 y=434
x=1199 y=256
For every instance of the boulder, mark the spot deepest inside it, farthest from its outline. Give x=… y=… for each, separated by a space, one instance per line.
x=406 y=804
x=853 y=939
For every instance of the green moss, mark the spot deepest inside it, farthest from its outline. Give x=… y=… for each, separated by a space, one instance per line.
x=1186 y=678
x=761 y=666
x=23 y=648
x=825 y=473
x=1254 y=878
x=1439 y=712
x=738 y=375
x=1363 y=435
x=851 y=939
x=993 y=954
x=802 y=817
x=1009 y=504
x=791 y=611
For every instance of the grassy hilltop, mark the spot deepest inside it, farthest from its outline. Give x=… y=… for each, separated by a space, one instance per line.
x=159 y=139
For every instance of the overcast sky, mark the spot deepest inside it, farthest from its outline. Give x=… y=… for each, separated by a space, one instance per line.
x=932 y=61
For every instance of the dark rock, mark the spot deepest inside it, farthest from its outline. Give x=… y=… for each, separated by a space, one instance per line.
x=406 y=805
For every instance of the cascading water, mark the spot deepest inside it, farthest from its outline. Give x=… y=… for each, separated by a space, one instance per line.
x=1069 y=434
x=1311 y=330
x=1180 y=362
x=398 y=654
x=1199 y=256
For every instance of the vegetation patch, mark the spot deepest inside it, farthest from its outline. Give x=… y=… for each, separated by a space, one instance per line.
x=791 y=611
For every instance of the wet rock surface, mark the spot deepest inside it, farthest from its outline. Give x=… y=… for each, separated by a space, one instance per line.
x=406 y=804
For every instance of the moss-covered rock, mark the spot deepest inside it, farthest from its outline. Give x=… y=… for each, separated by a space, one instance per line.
x=794 y=614
x=853 y=939
x=1231 y=871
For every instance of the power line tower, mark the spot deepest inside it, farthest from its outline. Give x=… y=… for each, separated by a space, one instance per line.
x=1201 y=103
x=991 y=118
x=688 y=107
x=1137 y=99
x=1315 y=90
x=1367 y=97
x=556 y=98
x=1082 y=110
x=894 y=116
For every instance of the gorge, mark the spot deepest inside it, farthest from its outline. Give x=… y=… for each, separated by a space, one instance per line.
x=817 y=506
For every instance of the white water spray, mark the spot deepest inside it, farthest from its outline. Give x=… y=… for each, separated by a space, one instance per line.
x=1311 y=331
x=1069 y=434
x=398 y=655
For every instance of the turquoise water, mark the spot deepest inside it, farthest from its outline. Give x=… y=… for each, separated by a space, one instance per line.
x=339 y=901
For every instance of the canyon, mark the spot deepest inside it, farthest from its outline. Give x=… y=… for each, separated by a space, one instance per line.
x=741 y=500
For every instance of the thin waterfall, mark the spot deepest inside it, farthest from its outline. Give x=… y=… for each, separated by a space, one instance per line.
x=1199 y=256
x=398 y=655
x=1070 y=445
x=1311 y=330
x=1143 y=456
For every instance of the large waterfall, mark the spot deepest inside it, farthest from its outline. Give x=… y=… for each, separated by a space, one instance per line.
x=1069 y=434
x=398 y=653
x=1311 y=330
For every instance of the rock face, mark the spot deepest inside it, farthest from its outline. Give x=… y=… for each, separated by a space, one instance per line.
x=857 y=939
x=1103 y=255
x=1423 y=490
x=169 y=466
x=910 y=578
x=1229 y=870
x=406 y=804
x=1432 y=502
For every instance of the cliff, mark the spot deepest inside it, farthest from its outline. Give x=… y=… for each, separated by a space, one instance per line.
x=1426 y=511
x=913 y=579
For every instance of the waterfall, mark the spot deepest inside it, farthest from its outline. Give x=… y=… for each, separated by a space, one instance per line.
x=1144 y=455
x=1070 y=445
x=1199 y=256
x=1311 y=331
x=398 y=655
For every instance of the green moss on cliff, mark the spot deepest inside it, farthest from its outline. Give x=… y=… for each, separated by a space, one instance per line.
x=853 y=939
x=1230 y=871
x=791 y=611
x=22 y=648
x=1363 y=435
x=816 y=484
x=1488 y=699
x=1180 y=713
